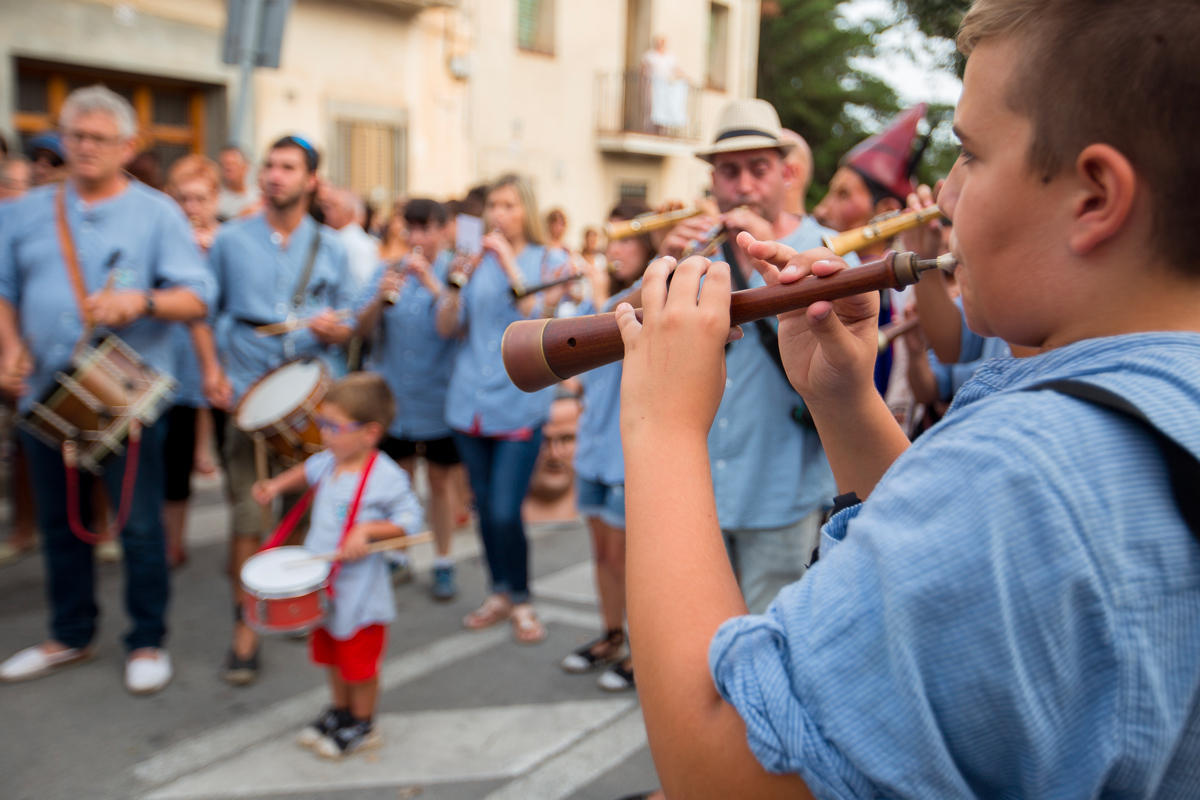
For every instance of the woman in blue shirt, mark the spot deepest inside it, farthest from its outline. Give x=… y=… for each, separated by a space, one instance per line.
x=497 y=427
x=600 y=471
x=396 y=313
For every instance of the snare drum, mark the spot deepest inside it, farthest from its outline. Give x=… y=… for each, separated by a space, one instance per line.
x=109 y=386
x=281 y=407
x=280 y=595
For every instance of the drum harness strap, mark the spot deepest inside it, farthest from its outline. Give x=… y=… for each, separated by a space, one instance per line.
x=292 y=519
x=69 y=448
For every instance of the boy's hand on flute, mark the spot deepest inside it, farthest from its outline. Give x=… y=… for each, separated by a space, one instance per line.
x=674 y=372
x=829 y=348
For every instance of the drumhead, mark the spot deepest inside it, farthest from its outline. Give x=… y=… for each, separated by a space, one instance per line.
x=278 y=394
x=275 y=573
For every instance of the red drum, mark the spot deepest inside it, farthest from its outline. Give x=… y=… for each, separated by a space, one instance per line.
x=284 y=591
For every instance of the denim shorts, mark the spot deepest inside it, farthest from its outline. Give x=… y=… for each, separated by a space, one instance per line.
x=602 y=501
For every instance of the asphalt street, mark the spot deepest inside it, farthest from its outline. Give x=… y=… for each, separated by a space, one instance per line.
x=465 y=715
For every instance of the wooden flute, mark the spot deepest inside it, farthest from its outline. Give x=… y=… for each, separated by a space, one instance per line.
x=648 y=222
x=880 y=229
x=539 y=353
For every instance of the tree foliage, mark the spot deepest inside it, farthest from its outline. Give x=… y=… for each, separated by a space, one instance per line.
x=804 y=69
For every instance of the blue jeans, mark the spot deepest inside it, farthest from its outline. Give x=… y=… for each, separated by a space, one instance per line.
x=500 y=473
x=69 y=561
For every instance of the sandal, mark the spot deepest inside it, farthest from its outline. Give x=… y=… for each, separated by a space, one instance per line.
x=618 y=677
x=587 y=659
x=527 y=628
x=496 y=608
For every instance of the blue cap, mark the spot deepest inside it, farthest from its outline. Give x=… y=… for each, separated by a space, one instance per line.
x=47 y=141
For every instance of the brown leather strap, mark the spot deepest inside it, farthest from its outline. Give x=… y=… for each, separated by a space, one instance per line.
x=67 y=245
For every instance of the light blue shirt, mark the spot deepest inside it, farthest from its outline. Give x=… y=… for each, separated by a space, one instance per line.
x=767 y=470
x=256 y=276
x=139 y=236
x=416 y=363
x=481 y=399
x=951 y=377
x=1013 y=612
x=363 y=588
x=598 y=454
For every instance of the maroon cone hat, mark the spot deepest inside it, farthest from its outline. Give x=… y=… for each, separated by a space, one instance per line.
x=887 y=157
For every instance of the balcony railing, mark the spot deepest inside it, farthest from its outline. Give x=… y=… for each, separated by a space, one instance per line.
x=630 y=102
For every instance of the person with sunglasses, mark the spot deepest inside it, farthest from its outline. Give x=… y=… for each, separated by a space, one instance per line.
x=272 y=266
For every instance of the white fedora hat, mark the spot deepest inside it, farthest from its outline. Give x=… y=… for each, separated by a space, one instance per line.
x=746 y=124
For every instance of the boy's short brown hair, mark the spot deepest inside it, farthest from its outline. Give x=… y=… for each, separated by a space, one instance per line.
x=364 y=397
x=1116 y=72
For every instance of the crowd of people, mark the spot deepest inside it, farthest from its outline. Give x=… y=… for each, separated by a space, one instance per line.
x=961 y=562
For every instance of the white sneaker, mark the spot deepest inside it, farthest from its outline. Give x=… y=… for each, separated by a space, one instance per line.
x=148 y=674
x=33 y=662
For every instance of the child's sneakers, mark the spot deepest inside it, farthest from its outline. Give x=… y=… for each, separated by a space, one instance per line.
x=330 y=720
x=349 y=739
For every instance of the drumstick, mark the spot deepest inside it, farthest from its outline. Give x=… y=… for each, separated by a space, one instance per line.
x=395 y=543
x=262 y=472
x=290 y=325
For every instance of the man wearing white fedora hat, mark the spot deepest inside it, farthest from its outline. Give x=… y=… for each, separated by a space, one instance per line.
x=762 y=438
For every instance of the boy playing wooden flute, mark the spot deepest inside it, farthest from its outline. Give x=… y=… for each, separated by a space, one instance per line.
x=1014 y=609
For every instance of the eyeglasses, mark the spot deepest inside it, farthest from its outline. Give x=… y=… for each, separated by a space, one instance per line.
x=79 y=137
x=336 y=428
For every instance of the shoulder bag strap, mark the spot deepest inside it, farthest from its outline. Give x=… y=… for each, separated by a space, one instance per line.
x=306 y=273
x=70 y=259
x=1182 y=467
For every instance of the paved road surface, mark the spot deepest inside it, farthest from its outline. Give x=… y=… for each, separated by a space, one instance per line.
x=465 y=715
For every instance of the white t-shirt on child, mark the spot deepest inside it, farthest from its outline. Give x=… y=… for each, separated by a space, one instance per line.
x=362 y=589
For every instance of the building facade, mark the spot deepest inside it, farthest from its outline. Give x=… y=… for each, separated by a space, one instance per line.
x=411 y=97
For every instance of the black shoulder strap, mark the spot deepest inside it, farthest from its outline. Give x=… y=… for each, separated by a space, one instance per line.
x=306 y=273
x=766 y=332
x=1182 y=466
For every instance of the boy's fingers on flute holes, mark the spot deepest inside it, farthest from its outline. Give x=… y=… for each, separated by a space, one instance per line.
x=773 y=253
x=654 y=284
x=685 y=286
x=627 y=323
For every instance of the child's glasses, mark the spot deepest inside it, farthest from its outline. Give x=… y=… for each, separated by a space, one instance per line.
x=326 y=424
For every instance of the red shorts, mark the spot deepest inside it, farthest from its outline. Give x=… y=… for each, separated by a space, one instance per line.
x=356 y=658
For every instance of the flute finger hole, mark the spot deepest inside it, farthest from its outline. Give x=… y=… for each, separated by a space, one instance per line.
x=571 y=342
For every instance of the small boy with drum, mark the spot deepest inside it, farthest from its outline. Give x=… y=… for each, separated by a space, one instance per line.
x=361 y=496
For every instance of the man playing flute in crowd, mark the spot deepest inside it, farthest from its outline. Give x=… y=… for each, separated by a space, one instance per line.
x=761 y=441
x=1014 y=608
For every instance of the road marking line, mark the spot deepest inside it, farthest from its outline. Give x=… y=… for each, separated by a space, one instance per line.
x=584 y=762
x=205 y=749
x=419 y=748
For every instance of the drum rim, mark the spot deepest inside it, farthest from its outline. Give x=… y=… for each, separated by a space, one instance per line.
x=322 y=380
x=283 y=594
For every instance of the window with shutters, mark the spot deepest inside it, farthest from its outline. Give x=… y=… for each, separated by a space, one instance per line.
x=371 y=158
x=171 y=115
x=535 y=26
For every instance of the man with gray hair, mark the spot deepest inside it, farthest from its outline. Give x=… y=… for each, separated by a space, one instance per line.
x=130 y=259
x=345 y=212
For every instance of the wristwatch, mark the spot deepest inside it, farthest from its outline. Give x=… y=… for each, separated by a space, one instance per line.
x=150 y=307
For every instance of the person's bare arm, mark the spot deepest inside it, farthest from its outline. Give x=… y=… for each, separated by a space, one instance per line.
x=214 y=383
x=940 y=318
x=446 y=320
x=920 y=376
x=680 y=585
x=14 y=361
x=115 y=308
x=829 y=352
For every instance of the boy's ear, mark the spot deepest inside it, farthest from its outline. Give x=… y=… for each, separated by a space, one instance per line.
x=375 y=432
x=1103 y=201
